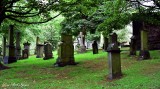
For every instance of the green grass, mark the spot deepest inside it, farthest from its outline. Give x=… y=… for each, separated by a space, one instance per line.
x=90 y=73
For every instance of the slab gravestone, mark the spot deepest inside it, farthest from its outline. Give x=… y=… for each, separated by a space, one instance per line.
x=133 y=46
x=144 y=53
x=114 y=57
x=95 y=47
x=65 y=51
x=4 y=47
x=82 y=47
x=47 y=51
x=27 y=46
x=40 y=50
x=37 y=42
x=25 y=54
x=105 y=45
x=10 y=52
x=18 y=47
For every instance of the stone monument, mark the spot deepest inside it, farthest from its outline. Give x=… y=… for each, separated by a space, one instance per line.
x=47 y=51
x=133 y=46
x=144 y=53
x=95 y=47
x=40 y=49
x=10 y=52
x=18 y=47
x=65 y=51
x=114 y=57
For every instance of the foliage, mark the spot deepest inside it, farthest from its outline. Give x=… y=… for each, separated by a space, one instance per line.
x=27 y=11
x=146 y=11
x=76 y=16
x=117 y=16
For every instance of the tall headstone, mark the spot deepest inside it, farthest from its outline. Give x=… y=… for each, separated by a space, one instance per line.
x=144 y=53
x=133 y=46
x=18 y=47
x=47 y=51
x=25 y=54
x=105 y=44
x=4 y=47
x=65 y=51
x=10 y=52
x=95 y=47
x=82 y=48
x=114 y=57
x=40 y=50
x=37 y=42
x=27 y=47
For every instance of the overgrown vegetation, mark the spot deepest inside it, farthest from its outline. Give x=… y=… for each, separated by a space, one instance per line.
x=90 y=73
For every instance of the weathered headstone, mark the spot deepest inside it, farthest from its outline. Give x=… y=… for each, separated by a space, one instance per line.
x=25 y=54
x=133 y=46
x=114 y=57
x=18 y=47
x=105 y=44
x=144 y=53
x=27 y=46
x=40 y=50
x=10 y=52
x=95 y=47
x=82 y=48
x=47 y=51
x=4 y=47
x=37 y=42
x=65 y=51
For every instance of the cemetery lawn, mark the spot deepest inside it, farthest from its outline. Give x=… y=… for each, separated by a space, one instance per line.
x=90 y=73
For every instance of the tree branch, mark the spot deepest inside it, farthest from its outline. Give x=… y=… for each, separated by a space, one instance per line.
x=26 y=22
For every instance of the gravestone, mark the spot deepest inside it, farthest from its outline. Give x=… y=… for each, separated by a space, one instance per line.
x=4 y=47
x=95 y=47
x=144 y=53
x=40 y=50
x=18 y=47
x=133 y=46
x=10 y=52
x=37 y=42
x=82 y=47
x=27 y=46
x=25 y=54
x=114 y=57
x=47 y=51
x=65 y=51
x=105 y=45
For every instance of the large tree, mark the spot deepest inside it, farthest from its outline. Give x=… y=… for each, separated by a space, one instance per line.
x=26 y=11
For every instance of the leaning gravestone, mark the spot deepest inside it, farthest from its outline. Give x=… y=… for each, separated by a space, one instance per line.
x=47 y=51
x=65 y=51
x=18 y=47
x=114 y=57
x=144 y=53
x=40 y=49
x=10 y=52
x=95 y=47
x=133 y=46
